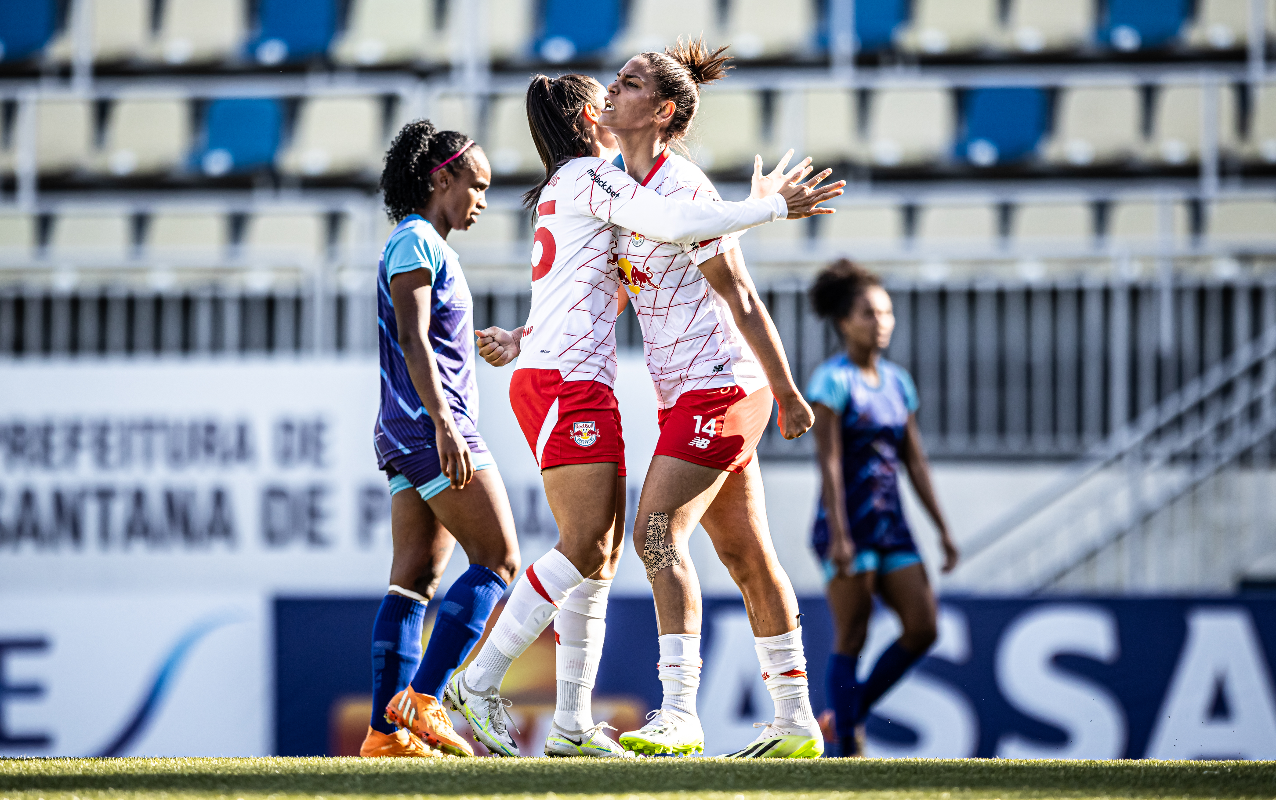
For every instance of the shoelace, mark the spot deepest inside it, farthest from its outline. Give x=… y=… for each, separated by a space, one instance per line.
x=498 y=711
x=588 y=734
x=656 y=726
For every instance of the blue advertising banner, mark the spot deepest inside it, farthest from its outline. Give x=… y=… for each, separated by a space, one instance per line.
x=1017 y=678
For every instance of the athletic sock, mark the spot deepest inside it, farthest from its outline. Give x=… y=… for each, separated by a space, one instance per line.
x=532 y=605
x=890 y=667
x=579 y=630
x=457 y=627
x=396 y=651
x=784 y=671
x=844 y=693
x=679 y=670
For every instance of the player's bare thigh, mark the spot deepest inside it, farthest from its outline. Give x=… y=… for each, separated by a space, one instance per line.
x=586 y=501
x=422 y=546
x=674 y=497
x=480 y=518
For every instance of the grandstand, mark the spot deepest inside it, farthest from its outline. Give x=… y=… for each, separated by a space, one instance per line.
x=1045 y=182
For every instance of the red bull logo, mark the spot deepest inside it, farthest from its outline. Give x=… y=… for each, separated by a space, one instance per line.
x=634 y=278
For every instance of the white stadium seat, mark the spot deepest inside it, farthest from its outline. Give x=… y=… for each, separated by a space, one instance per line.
x=1260 y=144
x=968 y=224
x=1176 y=123
x=145 y=136
x=389 y=32
x=64 y=134
x=756 y=30
x=1138 y=221
x=188 y=234
x=454 y=112
x=1241 y=221
x=655 y=24
x=1224 y=24
x=830 y=126
x=1096 y=125
x=910 y=126
x=120 y=30
x=336 y=136
x=875 y=226
x=1053 y=222
x=509 y=141
x=510 y=24
x=285 y=236
x=727 y=130
x=950 y=26
x=1035 y=26
x=199 y=31
x=91 y=235
x=17 y=235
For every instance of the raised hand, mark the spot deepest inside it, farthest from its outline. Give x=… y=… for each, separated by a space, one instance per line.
x=767 y=185
x=804 y=198
x=498 y=346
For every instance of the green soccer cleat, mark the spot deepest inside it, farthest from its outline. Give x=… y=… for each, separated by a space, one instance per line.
x=592 y=742
x=784 y=739
x=666 y=733
x=486 y=713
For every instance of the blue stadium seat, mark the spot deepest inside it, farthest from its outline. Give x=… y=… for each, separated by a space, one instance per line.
x=875 y=23
x=294 y=30
x=1002 y=124
x=577 y=28
x=25 y=27
x=1140 y=24
x=241 y=135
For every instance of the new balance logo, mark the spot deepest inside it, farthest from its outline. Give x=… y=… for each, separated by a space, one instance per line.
x=700 y=442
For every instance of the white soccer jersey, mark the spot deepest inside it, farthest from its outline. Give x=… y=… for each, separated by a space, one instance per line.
x=572 y=323
x=688 y=334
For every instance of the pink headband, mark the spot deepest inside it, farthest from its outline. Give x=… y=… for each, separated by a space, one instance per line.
x=454 y=157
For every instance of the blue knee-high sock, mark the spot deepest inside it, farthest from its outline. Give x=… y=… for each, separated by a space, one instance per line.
x=396 y=651
x=844 y=692
x=890 y=667
x=458 y=627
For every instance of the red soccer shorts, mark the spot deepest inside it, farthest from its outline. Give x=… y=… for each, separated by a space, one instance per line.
x=567 y=422
x=717 y=428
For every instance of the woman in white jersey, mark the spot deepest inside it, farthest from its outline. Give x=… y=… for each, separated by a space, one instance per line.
x=562 y=396
x=718 y=365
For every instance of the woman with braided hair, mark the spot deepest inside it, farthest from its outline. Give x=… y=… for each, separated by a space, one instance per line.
x=444 y=485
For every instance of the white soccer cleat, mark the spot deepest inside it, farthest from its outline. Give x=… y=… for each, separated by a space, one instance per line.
x=666 y=732
x=590 y=742
x=784 y=739
x=486 y=713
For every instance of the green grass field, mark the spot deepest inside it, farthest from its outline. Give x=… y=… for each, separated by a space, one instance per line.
x=175 y=778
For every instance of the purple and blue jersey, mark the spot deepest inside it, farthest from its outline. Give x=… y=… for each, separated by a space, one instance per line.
x=404 y=434
x=874 y=421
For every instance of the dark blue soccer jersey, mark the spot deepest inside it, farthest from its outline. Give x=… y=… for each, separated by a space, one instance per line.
x=874 y=421
x=403 y=425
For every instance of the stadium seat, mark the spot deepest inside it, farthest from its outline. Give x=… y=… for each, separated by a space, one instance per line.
x=1176 y=123
x=285 y=236
x=874 y=226
x=294 y=30
x=241 y=134
x=335 y=136
x=782 y=236
x=17 y=235
x=492 y=239
x=91 y=235
x=121 y=30
x=755 y=30
x=455 y=112
x=1035 y=26
x=950 y=26
x=1241 y=221
x=1002 y=124
x=1260 y=143
x=509 y=28
x=64 y=134
x=575 y=28
x=187 y=235
x=727 y=130
x=655 y=24
x=25 y=28
x=199 y=31
x=1220 y=25
x=909 y=126
x=509 y=142
x=390 y=32
x=1138 y=220
x=1096 y=125
x=963 y=224
x=876 y=24
x=145 y=136
x=1042 y=222
x=830 y=128
x=1142 y=24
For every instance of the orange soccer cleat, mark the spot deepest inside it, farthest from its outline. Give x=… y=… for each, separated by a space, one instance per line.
x=400 y=744
x=424 y=716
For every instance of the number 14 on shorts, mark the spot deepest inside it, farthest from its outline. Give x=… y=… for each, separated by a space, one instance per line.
x=705 y=429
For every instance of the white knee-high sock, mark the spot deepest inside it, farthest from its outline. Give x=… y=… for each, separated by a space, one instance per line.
x=579 y=629
x=532 y=605
x=784 y=671
x=679 y=670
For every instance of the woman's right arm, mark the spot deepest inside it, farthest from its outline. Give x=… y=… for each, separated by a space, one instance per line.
x=828 y=448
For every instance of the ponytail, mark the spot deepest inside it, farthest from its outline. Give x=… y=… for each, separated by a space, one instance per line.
x=418 y=150
x=679 y=72
x=553 y=115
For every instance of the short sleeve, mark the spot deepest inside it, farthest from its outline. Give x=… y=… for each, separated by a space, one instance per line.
x=910 y=391
x=408 y=251
x=828 y=387
x=703 y=251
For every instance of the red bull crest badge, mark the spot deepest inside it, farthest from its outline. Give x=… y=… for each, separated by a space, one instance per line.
x=634 y=278
x=584 y=433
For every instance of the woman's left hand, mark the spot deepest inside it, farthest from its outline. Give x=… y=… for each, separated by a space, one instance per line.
x=497 y=346
x=951 y=554
x=796 y=417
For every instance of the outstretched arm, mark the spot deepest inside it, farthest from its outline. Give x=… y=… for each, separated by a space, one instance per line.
x=915 y=461
x=730 y=278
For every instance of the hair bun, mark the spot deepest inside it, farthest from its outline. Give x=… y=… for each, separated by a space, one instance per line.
x=704 y=65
